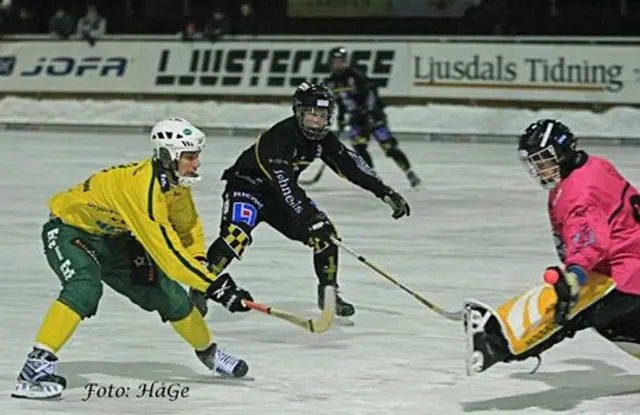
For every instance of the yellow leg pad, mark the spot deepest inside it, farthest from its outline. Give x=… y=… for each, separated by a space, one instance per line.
x=527 y=320
x=194 y=330
x=57 y=327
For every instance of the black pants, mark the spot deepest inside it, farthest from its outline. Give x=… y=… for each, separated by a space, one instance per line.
x=244 y=208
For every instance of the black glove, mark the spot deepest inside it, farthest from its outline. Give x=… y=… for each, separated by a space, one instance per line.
x=567 y=285
x=225 y=291
x=320 y=227
x=398 y=204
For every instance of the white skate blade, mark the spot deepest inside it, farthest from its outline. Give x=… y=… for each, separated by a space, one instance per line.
x=42 y=390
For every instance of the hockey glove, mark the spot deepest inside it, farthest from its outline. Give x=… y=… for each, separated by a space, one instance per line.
x=399 y=206
x=225 y=291
x=320 y=228
x=567 y=285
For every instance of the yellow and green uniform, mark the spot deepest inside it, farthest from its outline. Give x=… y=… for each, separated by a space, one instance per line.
x=128 y=227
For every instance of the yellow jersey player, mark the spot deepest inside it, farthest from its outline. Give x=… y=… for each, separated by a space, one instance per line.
x=135 y=228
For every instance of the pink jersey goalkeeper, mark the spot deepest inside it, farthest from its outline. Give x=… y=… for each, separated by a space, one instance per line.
x=595 y=216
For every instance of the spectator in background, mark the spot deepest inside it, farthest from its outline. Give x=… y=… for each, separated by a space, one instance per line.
x=25 y=23
x=217 y=26
x=5 y=5
x=92 y=26
x=247 y=23
x=61 y=24
x=189 y=30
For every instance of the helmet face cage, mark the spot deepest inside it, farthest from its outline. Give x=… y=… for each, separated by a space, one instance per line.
x=543 y=166
x=315 y=100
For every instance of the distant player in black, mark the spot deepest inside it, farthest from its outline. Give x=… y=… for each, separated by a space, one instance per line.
x=262 y=186
x=358 y=98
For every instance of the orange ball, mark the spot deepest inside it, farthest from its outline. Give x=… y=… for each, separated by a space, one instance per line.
x=551 y=276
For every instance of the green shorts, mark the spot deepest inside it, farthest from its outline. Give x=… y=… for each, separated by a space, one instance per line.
x=83 y=261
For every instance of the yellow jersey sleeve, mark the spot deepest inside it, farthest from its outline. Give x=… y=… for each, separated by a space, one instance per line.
x=186 y=222
x=143 y=206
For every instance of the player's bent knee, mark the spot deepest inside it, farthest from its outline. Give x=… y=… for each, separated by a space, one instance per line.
x=176 y=309
x=390 y=147
x=169 y=299
x=82 y=295
x=236 y=237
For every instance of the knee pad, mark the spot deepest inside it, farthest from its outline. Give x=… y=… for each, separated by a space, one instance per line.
x=236 y=239
x=390 y=147
x=319 y=246
x=82 y=295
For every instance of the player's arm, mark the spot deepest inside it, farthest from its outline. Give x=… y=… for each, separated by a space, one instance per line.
x=586 y=235
x=366 y=90
x=351 y=166
x=143 y=208
x=186 y=221
x=275 y=158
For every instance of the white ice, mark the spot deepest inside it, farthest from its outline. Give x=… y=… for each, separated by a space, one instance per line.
x=478 y=229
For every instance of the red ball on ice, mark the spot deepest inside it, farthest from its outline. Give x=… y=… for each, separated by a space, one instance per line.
x=551 y=276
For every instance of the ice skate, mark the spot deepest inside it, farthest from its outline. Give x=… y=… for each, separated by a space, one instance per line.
x=485 y=344
x=37 y=379
x=414 y=180
x=344 y=309
x=223 y=363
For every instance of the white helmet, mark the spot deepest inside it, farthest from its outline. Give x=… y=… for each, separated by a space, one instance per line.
x=170 y=138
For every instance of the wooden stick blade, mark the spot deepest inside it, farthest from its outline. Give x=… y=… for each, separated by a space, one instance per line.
x=319 y=325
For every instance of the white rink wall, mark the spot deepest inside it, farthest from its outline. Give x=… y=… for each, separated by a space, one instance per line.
x=418 y=121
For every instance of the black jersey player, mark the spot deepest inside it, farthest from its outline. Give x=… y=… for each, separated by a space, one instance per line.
x=262 y=186
x=358 y=98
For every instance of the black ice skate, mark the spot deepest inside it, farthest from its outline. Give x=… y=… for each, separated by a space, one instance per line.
x=37 y=379
x=223 y=363
x=343 y=308
x=414 y=180
x=199 y=301
x=486 y=345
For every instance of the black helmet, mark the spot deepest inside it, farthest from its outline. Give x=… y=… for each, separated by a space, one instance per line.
x=318 y=100
x=547 y=148
x=338 y=52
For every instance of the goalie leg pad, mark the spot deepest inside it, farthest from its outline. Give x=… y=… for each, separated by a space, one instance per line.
x=524 y=326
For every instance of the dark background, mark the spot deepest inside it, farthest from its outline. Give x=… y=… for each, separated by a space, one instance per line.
x=486 y=17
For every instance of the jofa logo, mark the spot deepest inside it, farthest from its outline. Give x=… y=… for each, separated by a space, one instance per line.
x=237 y=67
x=6 y=65
x=69 y=66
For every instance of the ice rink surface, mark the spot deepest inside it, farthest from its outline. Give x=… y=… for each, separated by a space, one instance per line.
x=478 y=229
